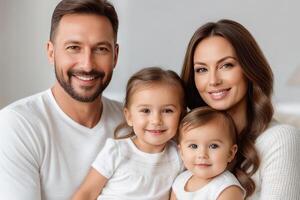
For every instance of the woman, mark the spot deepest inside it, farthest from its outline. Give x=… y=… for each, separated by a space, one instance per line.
x=225 y=69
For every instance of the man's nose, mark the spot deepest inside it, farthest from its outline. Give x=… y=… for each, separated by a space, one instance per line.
x=87 y=60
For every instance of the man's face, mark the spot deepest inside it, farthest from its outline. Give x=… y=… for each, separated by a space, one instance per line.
x=84 y=54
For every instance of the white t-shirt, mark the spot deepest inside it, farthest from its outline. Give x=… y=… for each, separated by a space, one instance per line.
x=278 y=176
x=136 y=175
x=211 y=191
x=44 y=154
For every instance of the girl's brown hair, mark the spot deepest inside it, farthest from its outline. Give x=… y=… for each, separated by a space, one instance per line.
x=146 y=77
x=260 y=87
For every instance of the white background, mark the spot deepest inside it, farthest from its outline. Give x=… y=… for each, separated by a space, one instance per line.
x=152 y=32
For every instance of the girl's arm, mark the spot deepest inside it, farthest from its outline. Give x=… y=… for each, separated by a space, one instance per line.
x=232 y=192
x=173 y=196
x=91 y=187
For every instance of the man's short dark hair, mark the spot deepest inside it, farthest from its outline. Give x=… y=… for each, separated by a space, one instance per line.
x=97 y=7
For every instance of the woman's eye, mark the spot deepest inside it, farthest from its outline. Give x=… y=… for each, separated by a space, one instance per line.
x=227 y=65
x=213 y=146
x=193 y=146
x=200 y=70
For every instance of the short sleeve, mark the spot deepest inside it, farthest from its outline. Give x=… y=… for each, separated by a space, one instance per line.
x=106 y=161
x=19 y=158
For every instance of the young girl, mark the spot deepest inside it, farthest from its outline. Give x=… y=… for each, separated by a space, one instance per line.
x=145 y=164
x=207 y=144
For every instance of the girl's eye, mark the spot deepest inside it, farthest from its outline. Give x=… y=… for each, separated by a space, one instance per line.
x=168 y=110
x=200 y=70
x=213 y=146
x=193 y=146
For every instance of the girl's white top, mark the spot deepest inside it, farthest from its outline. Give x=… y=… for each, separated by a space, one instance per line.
x=134 y=174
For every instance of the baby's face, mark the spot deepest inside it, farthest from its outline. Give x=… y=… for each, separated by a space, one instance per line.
x=206 y=150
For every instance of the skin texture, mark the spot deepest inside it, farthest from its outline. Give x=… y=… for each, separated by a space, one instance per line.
x=153 y=116
x=84 y=54
x=206 y=150
x=219 y=77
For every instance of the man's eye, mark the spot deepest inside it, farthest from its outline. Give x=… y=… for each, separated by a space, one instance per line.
x=101 y=50
x=193 y=146
x=73 y=48
x=213 y=146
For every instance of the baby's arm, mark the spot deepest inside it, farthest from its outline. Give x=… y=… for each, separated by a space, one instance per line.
x=173 y=196
x=231 y=192
x=91 y=186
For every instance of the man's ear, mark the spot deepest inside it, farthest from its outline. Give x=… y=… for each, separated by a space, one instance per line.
x=127 y=116
x=116 y=50
x=50 y=52
x=232 y=152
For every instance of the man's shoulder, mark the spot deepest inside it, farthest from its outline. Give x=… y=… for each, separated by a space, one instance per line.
x=28 y=106
x=111 y=104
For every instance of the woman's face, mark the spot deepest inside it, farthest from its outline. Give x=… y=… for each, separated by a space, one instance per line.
x=218 y=76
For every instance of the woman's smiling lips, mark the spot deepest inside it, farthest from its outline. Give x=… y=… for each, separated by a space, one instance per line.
x=219 y=94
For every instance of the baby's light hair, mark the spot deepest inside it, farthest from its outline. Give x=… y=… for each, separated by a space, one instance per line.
x=146 y=77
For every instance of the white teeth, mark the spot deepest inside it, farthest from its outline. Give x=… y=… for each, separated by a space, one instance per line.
x=217 y=93
x=86 y=78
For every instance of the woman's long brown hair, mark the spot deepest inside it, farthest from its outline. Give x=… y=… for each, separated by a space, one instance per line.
x=260 y=87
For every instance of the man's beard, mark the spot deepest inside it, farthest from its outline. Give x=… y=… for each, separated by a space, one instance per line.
x=68 y=88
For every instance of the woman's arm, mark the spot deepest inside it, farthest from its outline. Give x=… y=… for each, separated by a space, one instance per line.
x=232 y=192
x=91 y=187
x=280 y=163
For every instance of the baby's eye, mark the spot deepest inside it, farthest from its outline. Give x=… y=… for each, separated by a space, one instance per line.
x=145 y=110
x=200 y=70
x=193 y=146
x=213 y=146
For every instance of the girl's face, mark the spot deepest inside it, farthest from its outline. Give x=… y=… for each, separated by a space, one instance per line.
x=154 y=112
x=218 y=75
x=206 y=150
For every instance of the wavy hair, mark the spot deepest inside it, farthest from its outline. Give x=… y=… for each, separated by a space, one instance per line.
x=260 y=87
x=145 y=77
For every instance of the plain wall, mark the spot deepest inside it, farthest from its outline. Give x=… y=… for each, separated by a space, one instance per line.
x=152 y=32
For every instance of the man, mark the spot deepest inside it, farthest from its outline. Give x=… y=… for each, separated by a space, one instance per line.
x=48 y=141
